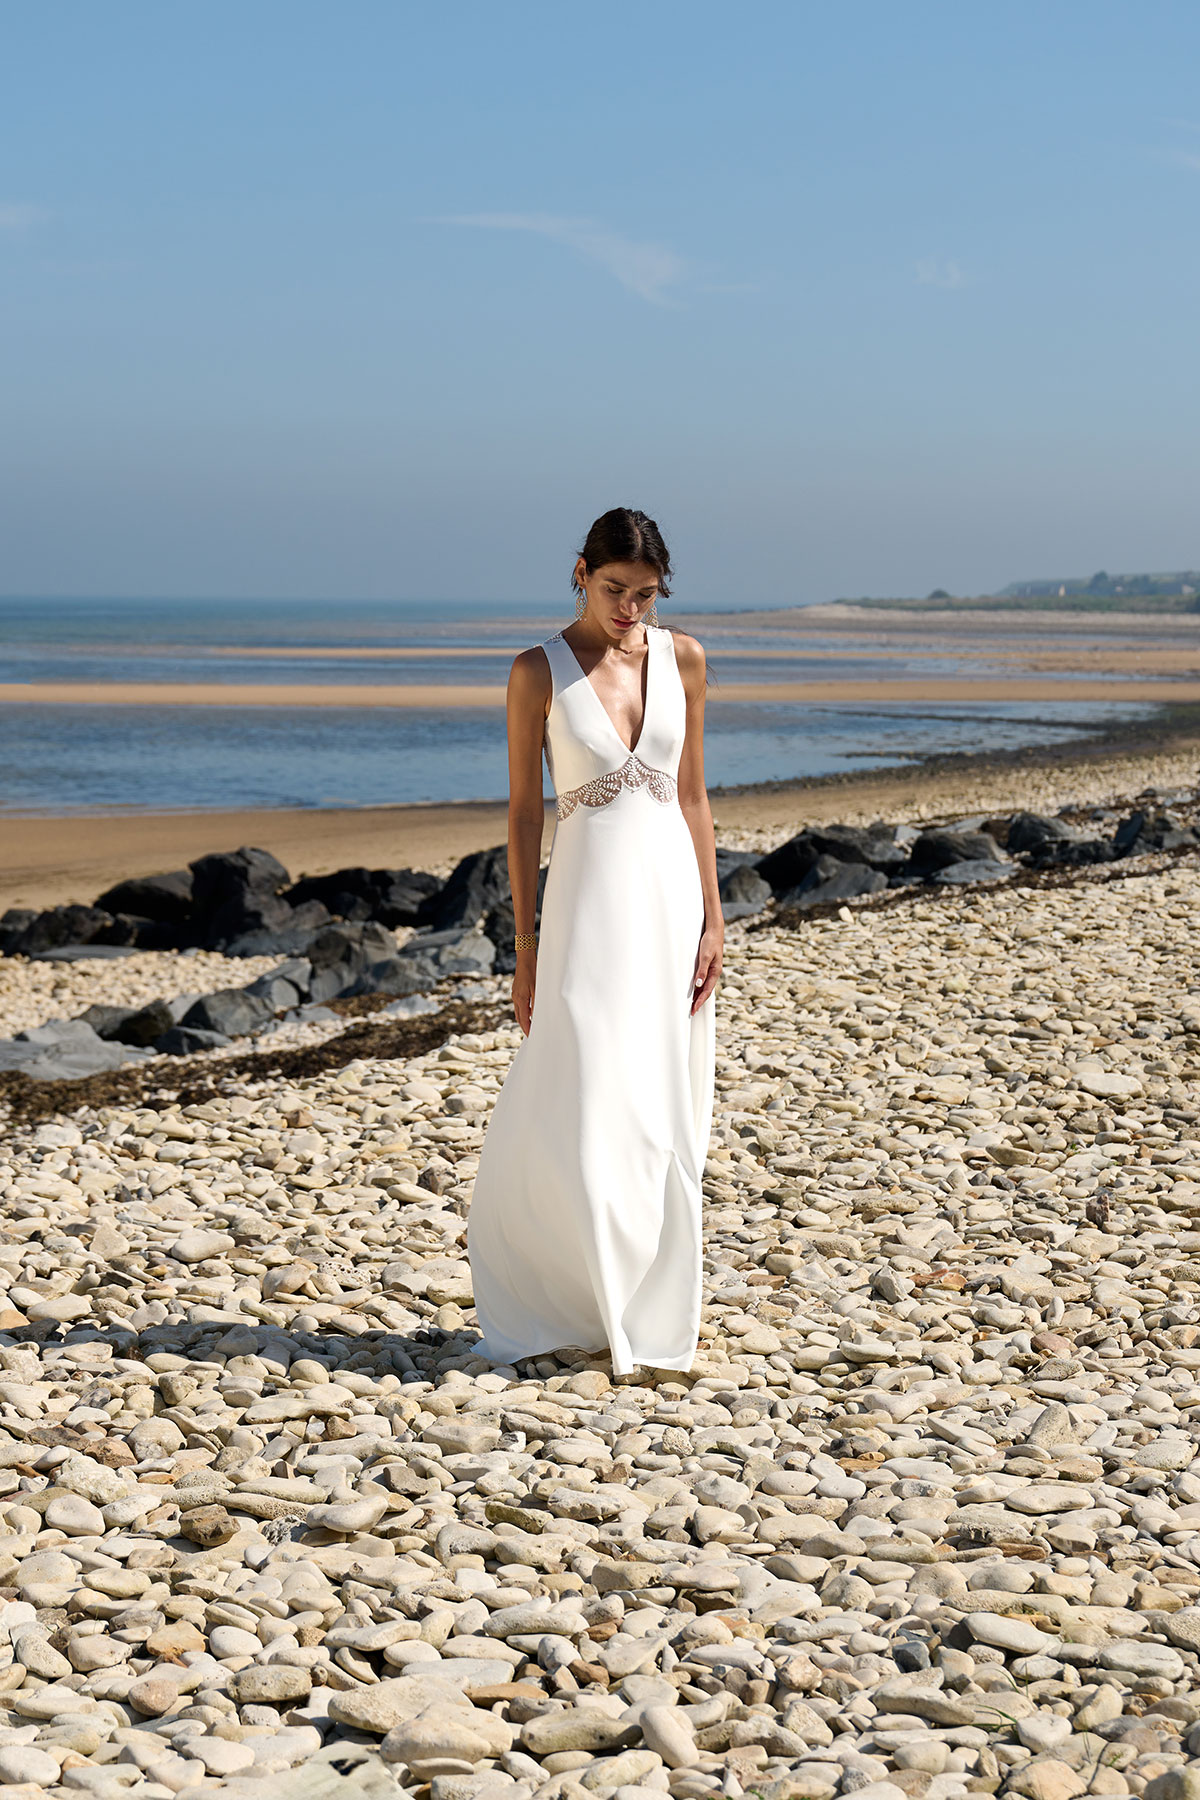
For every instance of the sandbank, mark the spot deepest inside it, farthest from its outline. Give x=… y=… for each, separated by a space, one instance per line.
x=437 y=696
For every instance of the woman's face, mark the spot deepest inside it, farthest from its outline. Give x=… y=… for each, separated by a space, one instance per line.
x=618 y=594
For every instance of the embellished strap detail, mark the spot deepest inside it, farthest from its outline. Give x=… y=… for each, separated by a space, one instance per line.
x=632 y=774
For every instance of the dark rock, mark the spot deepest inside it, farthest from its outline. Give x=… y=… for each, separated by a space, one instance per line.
x=105 y=1019
x=68 y=1050
x=743 y=892
x=910 y=1654
x=1029 y=834
x=188 y=1040
x=157 y=934
x=230 y=1011
x=293 y=938
x=1049 y=842
x=1127 y=833
x=829 y=879
x=426 y=959
x=166 y=899
x=936 y=849
x=1143 y=831
x=728 y=860
x=786 y=867
x=60 y=925
x=980 y=868
x=478 y=883
x=390 y=896
x=1076 y=853
x=341 y=957
x=237 y=891
x=143 y=1026
x=284 y=986
x=12 y=924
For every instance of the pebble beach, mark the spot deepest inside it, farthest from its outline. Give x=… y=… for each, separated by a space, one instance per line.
x=920 y=1521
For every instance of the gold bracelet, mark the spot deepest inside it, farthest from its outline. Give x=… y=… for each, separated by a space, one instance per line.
x=526 y=940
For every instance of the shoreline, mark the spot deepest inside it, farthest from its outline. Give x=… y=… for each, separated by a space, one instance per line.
x=58 y=859
x=439 y=695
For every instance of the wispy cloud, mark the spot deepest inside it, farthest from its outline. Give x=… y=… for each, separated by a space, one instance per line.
x=17 y=218
x=1184 y=159
x=648 y=270
x=933 y=271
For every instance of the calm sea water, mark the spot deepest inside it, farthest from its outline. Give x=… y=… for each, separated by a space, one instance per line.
x=70 y=758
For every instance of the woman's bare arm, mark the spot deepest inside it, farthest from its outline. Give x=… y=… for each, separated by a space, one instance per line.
x=529 y=689
x=693 y=802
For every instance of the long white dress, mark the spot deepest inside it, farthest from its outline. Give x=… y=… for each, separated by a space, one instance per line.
x=585 y=1220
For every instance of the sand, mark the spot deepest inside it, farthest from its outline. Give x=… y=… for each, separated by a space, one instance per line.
x=438 y=695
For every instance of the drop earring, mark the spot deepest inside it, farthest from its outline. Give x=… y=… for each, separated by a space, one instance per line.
x=652 y=615
x=580 y=603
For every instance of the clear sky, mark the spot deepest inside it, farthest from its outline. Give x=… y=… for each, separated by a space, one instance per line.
x=390 y=299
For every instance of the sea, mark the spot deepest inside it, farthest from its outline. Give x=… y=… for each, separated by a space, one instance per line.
x=72 y=758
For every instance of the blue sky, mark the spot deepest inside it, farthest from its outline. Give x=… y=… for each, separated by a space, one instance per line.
x=388 y=299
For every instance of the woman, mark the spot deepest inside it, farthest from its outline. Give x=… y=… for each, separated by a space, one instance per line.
x=585 y=1222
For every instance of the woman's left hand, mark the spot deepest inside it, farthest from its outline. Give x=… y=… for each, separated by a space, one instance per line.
x=709 y=958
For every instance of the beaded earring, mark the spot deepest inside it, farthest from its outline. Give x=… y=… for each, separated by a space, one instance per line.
x=580 y=604
x=652 y=615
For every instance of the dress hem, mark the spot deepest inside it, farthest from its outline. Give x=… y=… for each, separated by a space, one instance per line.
x=674 y=1363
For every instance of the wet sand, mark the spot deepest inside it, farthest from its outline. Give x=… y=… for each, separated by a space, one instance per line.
x=438 y=695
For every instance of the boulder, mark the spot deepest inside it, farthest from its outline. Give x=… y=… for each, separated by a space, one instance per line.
x=104 y=1020
x=66 y=1050
x=1049 y=842
x=59 y=925
x=389 y=896
x=145 y=1025
x=285 y=986
x=291 y=939
x=1143 y=831
x=12 y=924
x=976 y=869
x=165 y=898
x=743 y=892
x=1029 y=834
x=236 y=892
x=435 y=954
x=875 y=847
x=830 y=880
x=232 y=1011
x=344 y=955
x=189 y=1040
x=477 y=884
x=939 y=849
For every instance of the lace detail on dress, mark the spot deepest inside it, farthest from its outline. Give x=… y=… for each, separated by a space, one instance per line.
x=632 y=774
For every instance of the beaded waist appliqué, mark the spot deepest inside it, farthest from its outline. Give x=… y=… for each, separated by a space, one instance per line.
x=632 y=774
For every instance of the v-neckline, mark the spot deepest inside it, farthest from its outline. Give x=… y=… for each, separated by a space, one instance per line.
x=629 y=749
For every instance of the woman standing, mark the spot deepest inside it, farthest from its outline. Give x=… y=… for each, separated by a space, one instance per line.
x=585 y=1223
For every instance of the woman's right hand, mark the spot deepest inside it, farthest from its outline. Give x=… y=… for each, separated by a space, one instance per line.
x=524 y=982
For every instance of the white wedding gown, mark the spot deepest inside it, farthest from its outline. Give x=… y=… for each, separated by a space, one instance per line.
x=585 y=1222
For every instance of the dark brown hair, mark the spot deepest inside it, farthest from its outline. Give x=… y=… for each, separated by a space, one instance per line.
x=624 y=535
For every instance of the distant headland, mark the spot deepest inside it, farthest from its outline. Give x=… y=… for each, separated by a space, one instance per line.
x=1177 y=592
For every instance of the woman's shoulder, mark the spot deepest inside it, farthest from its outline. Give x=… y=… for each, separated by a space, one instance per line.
x=531 y=668
x=689 y=651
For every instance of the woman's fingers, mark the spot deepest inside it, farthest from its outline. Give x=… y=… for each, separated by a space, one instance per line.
x=706 y=977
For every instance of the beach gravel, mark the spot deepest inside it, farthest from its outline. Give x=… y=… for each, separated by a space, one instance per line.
x=920 y=1522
